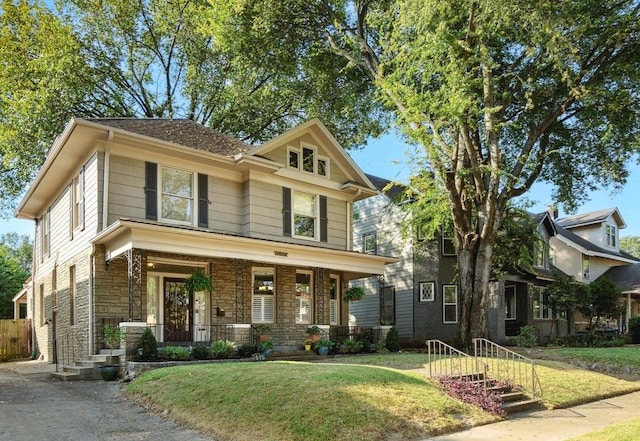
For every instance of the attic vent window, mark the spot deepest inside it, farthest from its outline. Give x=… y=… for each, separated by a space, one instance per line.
x=307 y=160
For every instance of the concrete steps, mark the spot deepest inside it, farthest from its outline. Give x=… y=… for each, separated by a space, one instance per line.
x=82 y=370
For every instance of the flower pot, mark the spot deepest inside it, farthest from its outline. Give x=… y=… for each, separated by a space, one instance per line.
x=109 y=372
x=307 y=347
x=323 y=350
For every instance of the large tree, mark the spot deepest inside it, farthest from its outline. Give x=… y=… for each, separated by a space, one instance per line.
x=631 y=244
x=158 y=58
x=15 y=264
x=498 y=94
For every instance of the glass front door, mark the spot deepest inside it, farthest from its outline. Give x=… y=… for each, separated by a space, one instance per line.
x=178 y=311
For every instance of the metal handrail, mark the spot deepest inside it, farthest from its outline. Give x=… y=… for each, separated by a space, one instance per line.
x=447 y=361
x=70 y=347
x=507 y=365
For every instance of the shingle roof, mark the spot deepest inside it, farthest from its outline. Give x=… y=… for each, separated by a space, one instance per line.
x=626 y=277
x=179 y=131
x=590 y=246
x=393 y=192
x=585 y=218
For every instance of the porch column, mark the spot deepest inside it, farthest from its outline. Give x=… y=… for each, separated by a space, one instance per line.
x=134 y=267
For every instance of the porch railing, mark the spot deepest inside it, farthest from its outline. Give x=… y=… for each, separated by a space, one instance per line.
x=506 y=365
x=70 y=347
x=447 y=361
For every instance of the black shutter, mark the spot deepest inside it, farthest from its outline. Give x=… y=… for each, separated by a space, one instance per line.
x=203 y=200
x=151 y=190
x=323 y=219
x=286 y=211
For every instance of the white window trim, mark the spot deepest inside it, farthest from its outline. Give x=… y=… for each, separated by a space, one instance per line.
x=540 y=293
x=316 y=217
x=610 y=235
x=253 y=295
x=299 y=153
x=445 y=304
x=585 y=272
x=335 y=302
x=327 y=167
x=194 y=196
x=316 y=158
x=422 y=289
x=310 y=299
x=447 y=237
x=375 y=243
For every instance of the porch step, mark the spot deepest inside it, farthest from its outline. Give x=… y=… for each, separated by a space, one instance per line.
x=520 y=406
x=82 y=370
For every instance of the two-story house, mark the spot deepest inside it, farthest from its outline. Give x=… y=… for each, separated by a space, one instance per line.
x=126 y=209
x=586 y=247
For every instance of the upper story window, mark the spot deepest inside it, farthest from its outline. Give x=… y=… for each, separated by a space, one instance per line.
x=77 y=213
x=369 y=244
x=305 y=215
x=177 y=197
x=448 y=243
x=306 y=159
x=610 y=235
x=541 y=255
x=450 y=304
x=585 y=266
x=45 y=233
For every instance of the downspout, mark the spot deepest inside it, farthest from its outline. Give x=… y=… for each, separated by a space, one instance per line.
x=105 y=182
x=350 y=219
x=91 y=300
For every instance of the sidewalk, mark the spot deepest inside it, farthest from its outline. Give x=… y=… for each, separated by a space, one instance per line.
x=554 y=425
x=29 y=367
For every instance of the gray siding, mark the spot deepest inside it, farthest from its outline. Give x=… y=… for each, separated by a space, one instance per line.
x=126 y=188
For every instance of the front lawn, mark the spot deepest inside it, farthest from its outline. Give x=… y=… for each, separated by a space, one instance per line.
x=625 y=431
x=304 y=401
x=622 y=356
x=372 y=397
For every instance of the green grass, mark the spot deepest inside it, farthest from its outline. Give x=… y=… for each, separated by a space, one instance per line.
x=625 y=431
x=625 y=356
x=304 y=401
x=373 y=397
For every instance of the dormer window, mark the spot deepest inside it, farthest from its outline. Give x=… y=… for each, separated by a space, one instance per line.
x=585 y=266
x=541 y=256
x=610 y=235
x=307 y=160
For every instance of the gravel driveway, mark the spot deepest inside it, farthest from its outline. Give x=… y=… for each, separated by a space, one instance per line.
x=39 y=408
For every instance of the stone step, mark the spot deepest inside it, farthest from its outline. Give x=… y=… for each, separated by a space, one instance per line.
x=520 y=406
x=65 y=376
x=508 y=397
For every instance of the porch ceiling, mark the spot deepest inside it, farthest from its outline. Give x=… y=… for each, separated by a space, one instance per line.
x=128 y=234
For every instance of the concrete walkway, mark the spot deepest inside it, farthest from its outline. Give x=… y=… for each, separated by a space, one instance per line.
x=546 y=425
x=554 y=425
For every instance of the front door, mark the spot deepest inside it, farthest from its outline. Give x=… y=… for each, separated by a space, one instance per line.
x=178 y=311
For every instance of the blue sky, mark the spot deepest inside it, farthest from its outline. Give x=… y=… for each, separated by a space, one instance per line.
x=387 y=157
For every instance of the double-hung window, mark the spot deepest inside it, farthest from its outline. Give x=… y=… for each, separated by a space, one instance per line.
x=177 y=198
x=541 y=308
x=305 y=215
x=334 y=299
x=304 y=296
x=77 y=209
x=448 y=243
x=585 y=266
x=610 y=235
x=450 y=303
x=263 y=303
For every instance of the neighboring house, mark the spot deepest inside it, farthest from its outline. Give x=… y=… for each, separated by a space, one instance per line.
x=126 y=209
x=586 y=247
x=419 y=294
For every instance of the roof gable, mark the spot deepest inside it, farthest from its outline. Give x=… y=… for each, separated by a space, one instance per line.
x=594 y=217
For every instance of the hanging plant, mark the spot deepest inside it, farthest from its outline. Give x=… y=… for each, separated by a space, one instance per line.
x=199 y=281
x=354 y=294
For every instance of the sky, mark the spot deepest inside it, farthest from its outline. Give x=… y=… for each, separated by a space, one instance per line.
x=387 y=157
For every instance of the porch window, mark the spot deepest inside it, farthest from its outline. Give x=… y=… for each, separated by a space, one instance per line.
x=305 y=215
x=450 y=303
x=541 y=308
x=334 y=300
x=304 y=297
x=263 y=303
x=510 y=302
x=177 y=196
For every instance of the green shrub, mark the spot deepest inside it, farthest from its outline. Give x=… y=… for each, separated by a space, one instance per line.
x=200 y=352
x=634 y=329
x=380 y=348
x=528 y=336
x=222 y=348
x=175 y=353
x=246 y=351
x=392 y=343
x=351 y=346
x=147 y=346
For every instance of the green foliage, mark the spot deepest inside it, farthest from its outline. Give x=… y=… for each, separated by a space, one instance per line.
x=175 y=353
x=261 y=329
x=353 y=294
x=631 y=244
x=351 y=346
x=528 y=336
x=324 y=343
x=266 y=345
x=600 y=299
x=12 y=277
x=222 y=348
x=147 y=346
x=314 y=330
x=516 y=241
x=392 y=342
x=634 y=329
x=200 y=352
x=246 y=350
x=199 y=281
x=112 y=336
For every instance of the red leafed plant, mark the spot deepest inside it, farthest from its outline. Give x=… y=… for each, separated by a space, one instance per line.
x=473 y=393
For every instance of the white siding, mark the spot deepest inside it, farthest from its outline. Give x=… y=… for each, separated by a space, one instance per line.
x=225 y=209
x=126 y=188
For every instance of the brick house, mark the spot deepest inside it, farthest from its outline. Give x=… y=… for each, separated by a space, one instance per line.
x=126 y=209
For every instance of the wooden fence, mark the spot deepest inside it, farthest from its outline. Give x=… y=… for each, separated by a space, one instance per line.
x=15 y=339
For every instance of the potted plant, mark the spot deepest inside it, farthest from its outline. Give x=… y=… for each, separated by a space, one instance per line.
x=262 y=330
x=266 y=347
x=353 y=294
x=112 y=336
x=314 y=333
x=198 y=281
x=323 y=345
x=307 y=344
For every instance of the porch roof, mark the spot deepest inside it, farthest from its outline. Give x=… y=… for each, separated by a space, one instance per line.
x=126 y=234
